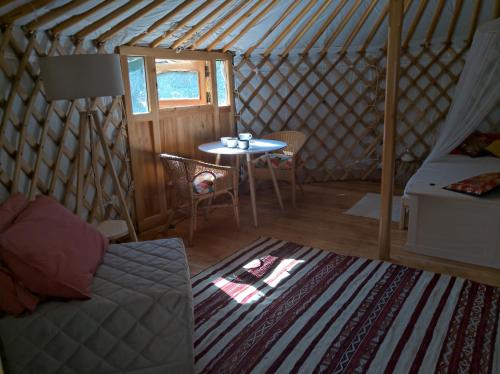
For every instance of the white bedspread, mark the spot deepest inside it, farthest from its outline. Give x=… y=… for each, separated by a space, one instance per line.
x=432 y=177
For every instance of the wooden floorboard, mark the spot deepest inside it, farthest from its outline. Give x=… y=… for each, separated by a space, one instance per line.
x=319 y=221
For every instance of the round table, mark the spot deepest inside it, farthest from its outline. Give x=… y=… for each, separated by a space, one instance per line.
x=256 y=146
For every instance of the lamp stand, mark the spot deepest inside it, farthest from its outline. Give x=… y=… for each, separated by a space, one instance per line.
x=86 y=118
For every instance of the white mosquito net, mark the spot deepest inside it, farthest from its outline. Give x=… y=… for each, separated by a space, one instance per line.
x=477 y=91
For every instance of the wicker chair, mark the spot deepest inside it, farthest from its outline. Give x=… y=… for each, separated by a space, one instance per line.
x=287 y=159
x=194 y=181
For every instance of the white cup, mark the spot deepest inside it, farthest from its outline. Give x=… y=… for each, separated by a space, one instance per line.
x=245 y=136
x=224 y=139
x=243 y=144
x=232 y=142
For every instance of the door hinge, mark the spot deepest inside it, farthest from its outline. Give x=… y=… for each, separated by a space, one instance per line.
x=207 y=71
x=209 y=98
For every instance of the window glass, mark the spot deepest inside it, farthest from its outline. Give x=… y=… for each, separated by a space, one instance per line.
x=138 y=86
x=222 y=84
x=177 y=80
x=178 y=85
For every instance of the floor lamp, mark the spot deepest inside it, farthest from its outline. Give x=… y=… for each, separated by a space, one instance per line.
x=87 y=77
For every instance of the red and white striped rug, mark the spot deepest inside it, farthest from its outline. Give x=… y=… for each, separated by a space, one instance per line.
x=279 y=307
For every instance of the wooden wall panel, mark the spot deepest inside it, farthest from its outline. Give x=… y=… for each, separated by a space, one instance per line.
x=148 y=175
x=184 y=129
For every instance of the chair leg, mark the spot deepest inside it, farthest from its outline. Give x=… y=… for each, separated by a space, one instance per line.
x=294 y=192
x=236 y=211
x=402 y=218
x=191 y=222
x=196 y=213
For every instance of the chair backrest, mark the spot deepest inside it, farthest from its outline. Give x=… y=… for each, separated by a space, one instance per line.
x=178 y=178
x=294 y=139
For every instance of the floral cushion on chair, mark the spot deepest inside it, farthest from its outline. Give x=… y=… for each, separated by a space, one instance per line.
x=203 y=183
x=278 y=161
x=476 y=186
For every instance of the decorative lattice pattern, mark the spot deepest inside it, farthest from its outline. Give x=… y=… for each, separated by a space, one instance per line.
x=39 y=140
x=338 y=101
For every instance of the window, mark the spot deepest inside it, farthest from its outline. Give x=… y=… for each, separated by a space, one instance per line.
x=138 y=86
x=222 y=84
x=180 y=82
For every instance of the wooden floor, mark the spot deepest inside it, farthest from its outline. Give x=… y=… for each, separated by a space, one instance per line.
x=318 y=221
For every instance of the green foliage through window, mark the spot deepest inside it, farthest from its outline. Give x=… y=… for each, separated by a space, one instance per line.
x=178 y=85
x=222 y=84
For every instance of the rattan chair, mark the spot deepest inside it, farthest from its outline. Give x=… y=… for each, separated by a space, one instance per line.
x=288 y=161
x=194 y=181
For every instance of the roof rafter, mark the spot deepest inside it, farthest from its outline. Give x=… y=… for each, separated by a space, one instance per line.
x=325 y=25
x=105 y=20
x=209 y=17
x=341 y=26
x=290 y=26
x=60 y=27
x=23 y=10
x=453 y=22
x=250 y=24
x=306 y=28
x=160 y=22
x=129 y=20
x=375 y=27
x=272 y=28
x=434 y=22
x=474 y=19
x=54 y=14
x=182 y=23
x=222 y=21
x=358 y=26
x=238 y=22
x=411 y=30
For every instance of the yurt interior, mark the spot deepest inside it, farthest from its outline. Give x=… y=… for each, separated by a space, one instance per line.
x=249 y=186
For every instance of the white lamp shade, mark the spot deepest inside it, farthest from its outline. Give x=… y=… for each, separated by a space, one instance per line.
x=81 y=76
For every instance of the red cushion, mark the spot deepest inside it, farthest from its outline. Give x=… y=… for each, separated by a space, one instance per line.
x=10 y=209
x=14 y=299
x=60 y=255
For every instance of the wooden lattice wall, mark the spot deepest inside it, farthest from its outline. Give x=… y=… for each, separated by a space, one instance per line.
x=39 y=140
x=338 y=101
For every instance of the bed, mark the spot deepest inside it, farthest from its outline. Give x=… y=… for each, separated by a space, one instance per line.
x=452 y=225
x=139 y=319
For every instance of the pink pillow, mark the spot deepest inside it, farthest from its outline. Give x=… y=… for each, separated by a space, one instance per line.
x=10 y=209
x=52 y=251
x=14 y=299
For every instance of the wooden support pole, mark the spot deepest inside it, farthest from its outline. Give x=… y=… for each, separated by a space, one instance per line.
x=390 y=130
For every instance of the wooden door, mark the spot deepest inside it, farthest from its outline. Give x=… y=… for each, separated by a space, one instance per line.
x=175 y=130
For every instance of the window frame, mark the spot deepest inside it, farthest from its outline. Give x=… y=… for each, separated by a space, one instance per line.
x=150 y=54
x=146 y=81
x=187 y=65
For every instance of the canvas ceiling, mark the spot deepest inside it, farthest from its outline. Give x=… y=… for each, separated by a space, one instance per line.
x=253 y=19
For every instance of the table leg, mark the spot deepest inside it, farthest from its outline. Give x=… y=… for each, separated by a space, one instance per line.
x=217 y=159
x=275 y=181
x=251 y=182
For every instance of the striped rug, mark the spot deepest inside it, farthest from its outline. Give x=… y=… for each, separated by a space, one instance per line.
x=279 y=307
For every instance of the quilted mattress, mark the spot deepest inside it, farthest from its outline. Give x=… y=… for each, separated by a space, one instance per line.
x=139 y=319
